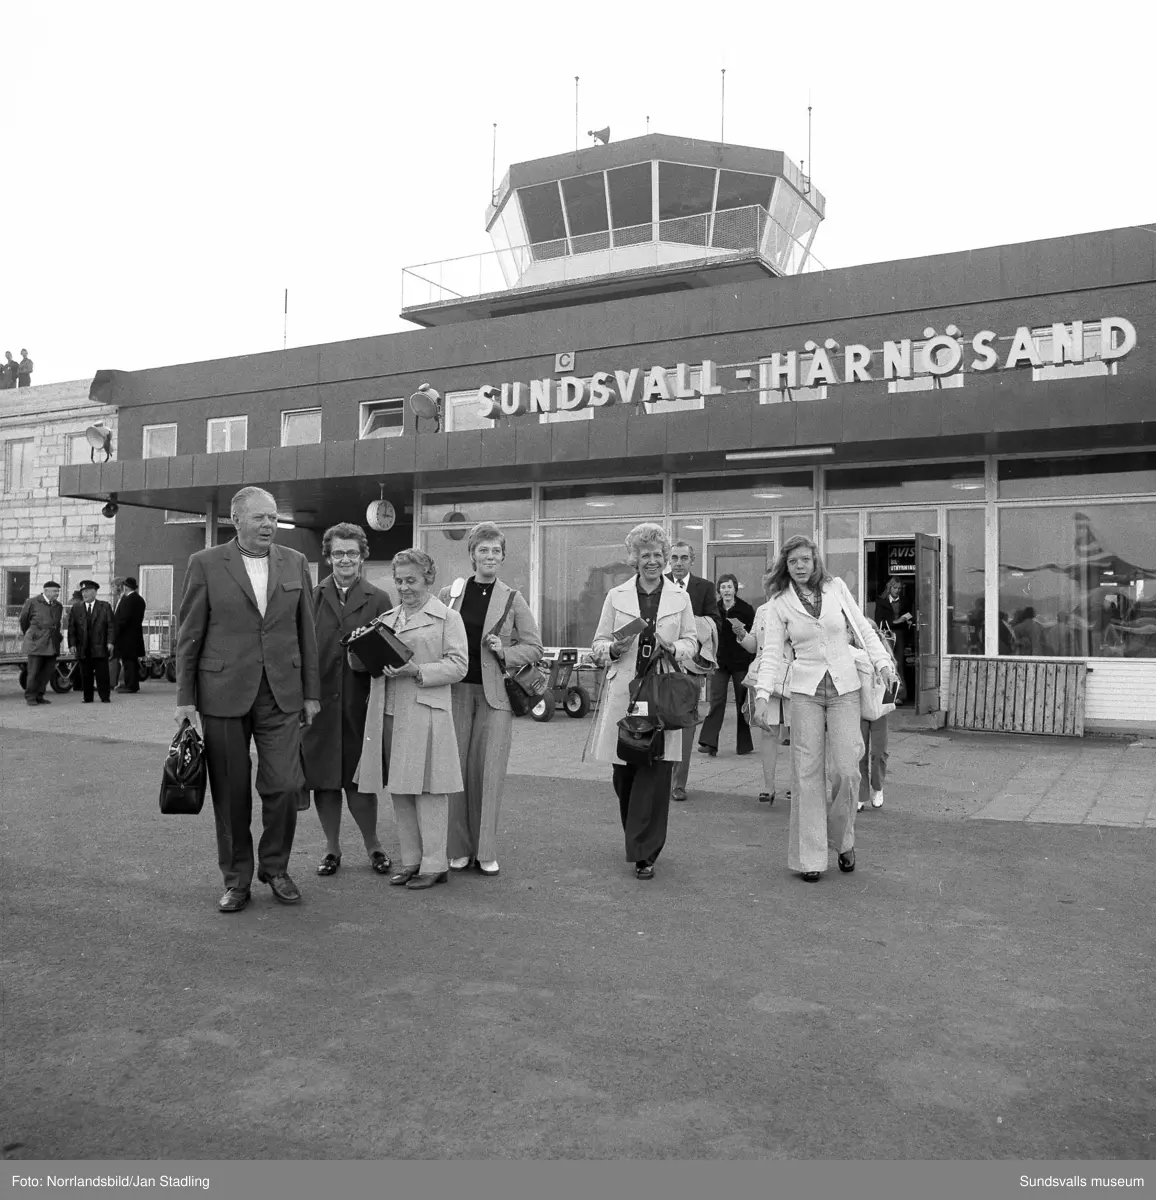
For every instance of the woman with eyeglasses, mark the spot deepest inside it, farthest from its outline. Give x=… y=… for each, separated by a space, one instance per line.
x=501 y=634
x=331 y=746
x=811 y=618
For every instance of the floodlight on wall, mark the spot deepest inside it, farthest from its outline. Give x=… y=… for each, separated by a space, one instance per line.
x=99 y=438
x=111 y=508
x=426 y=403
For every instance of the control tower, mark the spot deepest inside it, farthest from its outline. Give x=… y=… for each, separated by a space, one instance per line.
x=646 y=215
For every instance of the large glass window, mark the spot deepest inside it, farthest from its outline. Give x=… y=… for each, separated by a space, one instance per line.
x=450 y=551
x=586 y=209
x=580 y=564
x=472 y=505
x=742 y=529
x=920 y=483
x=685 y=195
x=841 y=549
x=787 y=489
x=1078 y=581
x=1086 y=475
x=159 y=441
x=965 y=581
x=791 y=524
x=630 y=203
x=900 y=520
x=542 y=208
x=736 y=189
x=18 y=465
x=642 y=497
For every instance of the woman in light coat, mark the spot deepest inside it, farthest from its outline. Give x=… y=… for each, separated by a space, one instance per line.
x=501 y=634
x=410 y=716
x=643 y=791
x=777 y=733
x=811 y=614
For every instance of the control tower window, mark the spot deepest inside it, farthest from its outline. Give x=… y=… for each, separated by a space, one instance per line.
x=630 y=203
x=586 y=208
x=737 y=190
x=542 y=208
x=684 y=191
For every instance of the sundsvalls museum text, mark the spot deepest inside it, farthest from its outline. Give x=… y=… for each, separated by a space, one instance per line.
x=820 y=364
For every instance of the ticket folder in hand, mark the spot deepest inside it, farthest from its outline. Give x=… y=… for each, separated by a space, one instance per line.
x=378 y=647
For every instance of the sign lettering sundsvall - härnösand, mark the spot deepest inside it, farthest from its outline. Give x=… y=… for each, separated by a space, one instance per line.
x=940 y=355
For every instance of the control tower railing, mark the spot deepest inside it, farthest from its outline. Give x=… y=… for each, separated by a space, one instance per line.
x=706 y=237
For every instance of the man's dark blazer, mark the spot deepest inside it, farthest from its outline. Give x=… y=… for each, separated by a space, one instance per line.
x=703 y=596
x=224 y=644
x=127 y=623
x=90 y=641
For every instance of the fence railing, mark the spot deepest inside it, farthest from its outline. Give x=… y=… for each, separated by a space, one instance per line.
x=701 y=237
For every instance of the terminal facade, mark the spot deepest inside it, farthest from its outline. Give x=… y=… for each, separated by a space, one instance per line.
x=653 y=338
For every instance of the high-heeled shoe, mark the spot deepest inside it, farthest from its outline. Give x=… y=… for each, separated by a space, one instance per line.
x=329 y=864
x=847 y=861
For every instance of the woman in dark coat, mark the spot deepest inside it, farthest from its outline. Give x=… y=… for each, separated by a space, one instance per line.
x=332 y=744
x=734 y=661
x=892 y=612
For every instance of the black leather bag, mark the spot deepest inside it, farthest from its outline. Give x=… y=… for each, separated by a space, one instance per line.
x=641 y=740
x=670 y=696
x=377 y=646
x=185 y=774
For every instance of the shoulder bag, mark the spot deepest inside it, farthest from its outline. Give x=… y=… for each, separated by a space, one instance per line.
x=184 y=776
x=670 y=695
x=872 y=689
x=524 y=685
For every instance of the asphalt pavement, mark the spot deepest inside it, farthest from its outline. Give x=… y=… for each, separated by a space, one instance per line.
x=978 y=988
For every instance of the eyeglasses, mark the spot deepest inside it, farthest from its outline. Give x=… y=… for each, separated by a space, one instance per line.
x=350 y=554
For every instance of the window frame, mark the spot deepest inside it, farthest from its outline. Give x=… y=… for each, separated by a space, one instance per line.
x=28 y=461
x=367 y=408
x=146 y=430
x=299 y=412
x=226 y=422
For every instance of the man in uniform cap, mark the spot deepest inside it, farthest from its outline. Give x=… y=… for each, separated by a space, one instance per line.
x=40 y=623
x=90 y=636
x=128 y=633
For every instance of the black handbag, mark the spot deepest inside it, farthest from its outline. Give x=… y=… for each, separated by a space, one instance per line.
x=641 y=740
x=377 y=646
x=185 y=775
x=670 y=696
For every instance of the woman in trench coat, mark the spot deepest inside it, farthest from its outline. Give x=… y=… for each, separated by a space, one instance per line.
x=643 y=791
x=331 y=746
x=410 y=715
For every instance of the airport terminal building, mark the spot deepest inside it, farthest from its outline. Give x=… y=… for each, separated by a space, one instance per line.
x=652 y=338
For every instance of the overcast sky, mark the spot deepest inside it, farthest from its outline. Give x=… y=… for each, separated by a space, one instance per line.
x=171 y=168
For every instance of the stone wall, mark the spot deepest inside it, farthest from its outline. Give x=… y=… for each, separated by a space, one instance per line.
x=40 y=532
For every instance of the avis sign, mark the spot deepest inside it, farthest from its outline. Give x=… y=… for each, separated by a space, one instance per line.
x=939 y=354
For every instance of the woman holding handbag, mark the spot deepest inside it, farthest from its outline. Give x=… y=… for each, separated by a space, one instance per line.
x=778 y=732
x=411 y=719
x=502 y=636
x=813 y=615
x=645 y=616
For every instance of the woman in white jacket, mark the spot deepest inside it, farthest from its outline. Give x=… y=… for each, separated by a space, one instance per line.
x=810 y=616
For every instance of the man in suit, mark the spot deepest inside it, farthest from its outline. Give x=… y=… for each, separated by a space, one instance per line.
x=704 y=602
x=128 y=634
x=247 y=664
x=90 y=637
x=341 y=604
x=40 y=623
